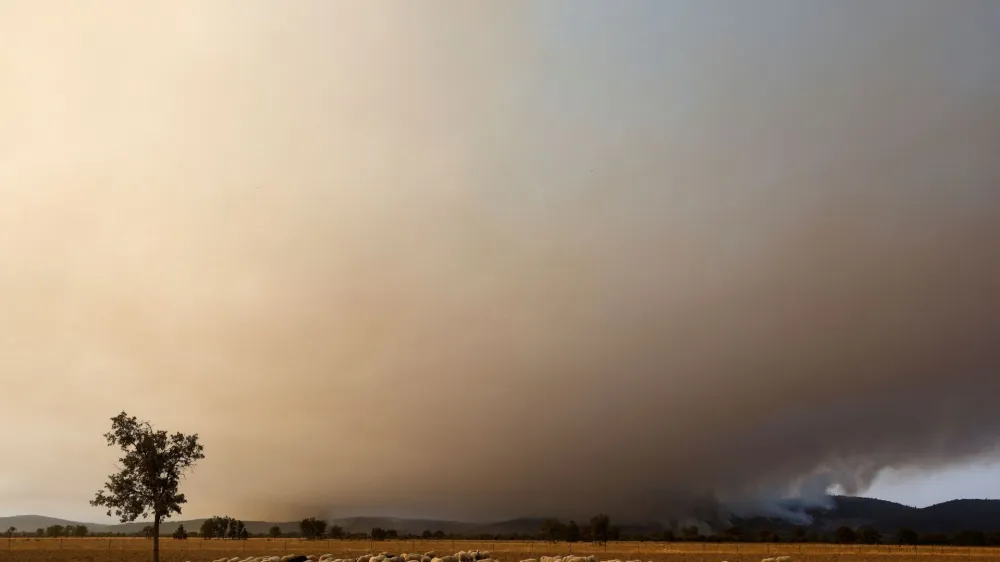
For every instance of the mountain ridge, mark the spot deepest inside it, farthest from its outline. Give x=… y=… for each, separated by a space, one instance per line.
x=946 y=517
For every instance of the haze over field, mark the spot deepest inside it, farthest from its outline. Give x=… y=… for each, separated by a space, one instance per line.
x=482 y=260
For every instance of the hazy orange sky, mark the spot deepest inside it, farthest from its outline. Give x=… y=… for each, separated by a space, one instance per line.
x=480 y=260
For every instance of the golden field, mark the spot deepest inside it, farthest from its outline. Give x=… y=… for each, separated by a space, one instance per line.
x=197 y=550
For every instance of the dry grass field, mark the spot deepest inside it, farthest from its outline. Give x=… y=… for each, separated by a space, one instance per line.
x=195 y=550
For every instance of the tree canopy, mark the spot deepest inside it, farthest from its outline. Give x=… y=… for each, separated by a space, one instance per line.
x=151 y=467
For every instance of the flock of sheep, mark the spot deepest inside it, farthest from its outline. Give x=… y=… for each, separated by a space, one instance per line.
x=472 y=556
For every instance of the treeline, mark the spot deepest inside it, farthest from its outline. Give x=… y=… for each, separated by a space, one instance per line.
x=598 y=529
x=864 y=535
x=55 y=531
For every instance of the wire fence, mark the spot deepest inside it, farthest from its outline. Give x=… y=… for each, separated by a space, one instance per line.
x=505 y=551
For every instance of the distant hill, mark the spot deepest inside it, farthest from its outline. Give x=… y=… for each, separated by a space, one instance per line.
x=888 y=517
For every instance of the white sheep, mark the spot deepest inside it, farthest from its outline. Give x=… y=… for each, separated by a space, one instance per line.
x=768 y=560
x=783 y=559
x=530 y=560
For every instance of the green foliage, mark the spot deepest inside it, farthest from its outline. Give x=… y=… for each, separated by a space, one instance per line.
x=337 y=532
x=55 y=531
x=151 y=468
x=378 y=534
x=81 y=531
x=40 y=532
x=274 y=532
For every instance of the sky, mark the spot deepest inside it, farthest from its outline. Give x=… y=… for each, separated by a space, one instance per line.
x=486 y=260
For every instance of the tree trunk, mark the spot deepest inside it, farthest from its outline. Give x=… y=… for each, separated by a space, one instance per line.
x=156 y=537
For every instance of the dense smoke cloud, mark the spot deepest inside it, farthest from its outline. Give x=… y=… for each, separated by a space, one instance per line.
x=498 y=259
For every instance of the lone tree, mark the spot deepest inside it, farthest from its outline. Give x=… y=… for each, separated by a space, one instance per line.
x=180 y=533
x=600 y=528
x=312 y=528
x=337 y=532
x=151 y=467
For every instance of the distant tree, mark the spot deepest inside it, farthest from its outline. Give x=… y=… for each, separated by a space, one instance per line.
x=244 y=533
x=40 y=532
x=80 y=531
x=312 y=528
x=208 y=530
x=149 y=532
x=869 y=535
x=378 y=534
x=934 y=538
x=846 y=535
x=55 y=531
x=275 y=531
x=152 y=465
x=237 y=530
x=767 y=535
x=439 y=534
x=335 y=532
x=969 y=538
x=223 y=525
x=11 y=531
x=734 y=534
x=180 y=533
x=391 y=534
x=552 y=530
x=600 y=527
x=798 y=533
x=690 y=533
x=572 y=532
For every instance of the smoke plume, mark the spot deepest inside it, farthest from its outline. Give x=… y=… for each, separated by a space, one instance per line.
x=484 y=260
